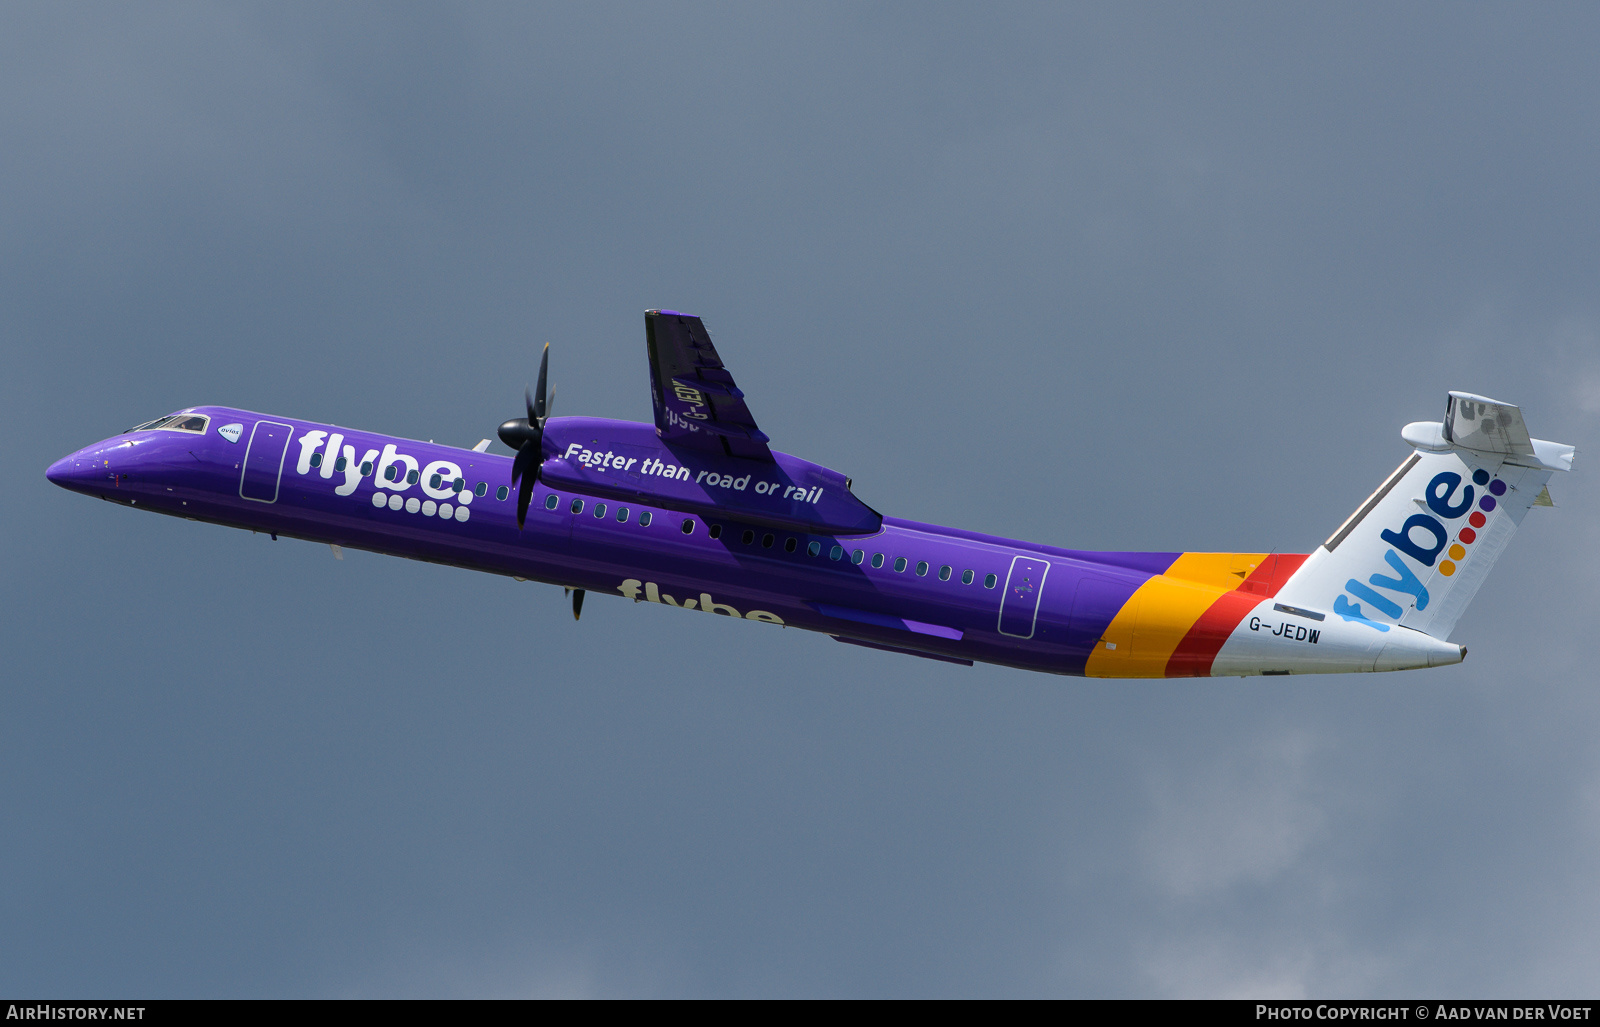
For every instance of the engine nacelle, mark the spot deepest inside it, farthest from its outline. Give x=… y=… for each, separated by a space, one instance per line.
x=627 y=461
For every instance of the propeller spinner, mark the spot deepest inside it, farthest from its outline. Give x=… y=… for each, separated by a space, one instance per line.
x=526 y=436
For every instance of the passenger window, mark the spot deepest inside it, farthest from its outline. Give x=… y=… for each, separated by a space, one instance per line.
x=366 y=469
x=899 y=564
x=715 y=531
x=550 y=501
x=989 y=580
x=944 y=573
x=599 y=509
x=835 y=552
x=340 y=464
x=644 y=519
x=577 y=506
x=766 y=541
x=922 y=568
x=748 y=537
x=791 y=545
x=316 y=459
x=815 y=548
x=502 y=492
x=857 y=556
x=458 y=485
x=877 y=559
x=482 y=489
x=966 y=577
x=434 y=481
x=688 y=525
x=411 y=477
x=622 y=515
x=391 y=472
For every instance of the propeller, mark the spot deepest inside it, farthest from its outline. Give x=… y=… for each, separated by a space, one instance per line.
x=526 y=436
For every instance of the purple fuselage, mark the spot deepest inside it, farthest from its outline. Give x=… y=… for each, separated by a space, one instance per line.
x=672 y=526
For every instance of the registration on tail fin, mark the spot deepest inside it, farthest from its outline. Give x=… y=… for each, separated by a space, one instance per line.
x=1416 y=552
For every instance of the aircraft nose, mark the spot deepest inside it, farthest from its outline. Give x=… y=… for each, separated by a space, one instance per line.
x=79 y=470
x=63 y=471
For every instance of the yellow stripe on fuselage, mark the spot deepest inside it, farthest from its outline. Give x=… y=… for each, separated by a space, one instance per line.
x=1220 y=570
x=1142 y=636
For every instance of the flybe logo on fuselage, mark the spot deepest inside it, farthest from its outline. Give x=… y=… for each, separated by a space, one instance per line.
x=653 y=594
x=389 y=468
x=1421 y=540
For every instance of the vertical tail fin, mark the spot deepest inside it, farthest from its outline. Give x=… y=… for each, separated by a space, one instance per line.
x=1416 y=552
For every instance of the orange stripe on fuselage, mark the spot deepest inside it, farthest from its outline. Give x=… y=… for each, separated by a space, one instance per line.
x=1176 y=622
x=1198 y=650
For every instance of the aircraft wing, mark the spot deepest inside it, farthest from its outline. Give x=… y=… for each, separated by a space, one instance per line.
x=697 y=404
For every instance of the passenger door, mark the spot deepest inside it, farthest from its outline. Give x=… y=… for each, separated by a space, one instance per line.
x=263 y=461
x=1019 y=604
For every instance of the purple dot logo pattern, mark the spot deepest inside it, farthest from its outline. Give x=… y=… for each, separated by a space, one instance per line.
x=1468 y=535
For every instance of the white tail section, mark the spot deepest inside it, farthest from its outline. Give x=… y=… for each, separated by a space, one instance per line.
x=1416 y=552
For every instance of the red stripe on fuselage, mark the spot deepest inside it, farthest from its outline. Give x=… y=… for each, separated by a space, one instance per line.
x=1193 y=657
x=1199 y=648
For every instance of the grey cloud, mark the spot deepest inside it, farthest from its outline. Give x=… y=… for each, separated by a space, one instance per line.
x=1244 y=819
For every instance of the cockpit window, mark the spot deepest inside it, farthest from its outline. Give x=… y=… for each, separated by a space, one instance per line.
x=175 y=422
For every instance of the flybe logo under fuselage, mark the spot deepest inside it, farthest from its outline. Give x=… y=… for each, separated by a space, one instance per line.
x=1421 y=540
x=653 y=594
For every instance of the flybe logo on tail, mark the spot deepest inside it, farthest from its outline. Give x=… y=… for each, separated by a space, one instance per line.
x=1421 y=540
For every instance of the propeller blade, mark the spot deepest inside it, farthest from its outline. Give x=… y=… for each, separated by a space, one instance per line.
x=525 y=494
x=577 y=603
x=527 y=438
x=537 y=407
x=526 y=462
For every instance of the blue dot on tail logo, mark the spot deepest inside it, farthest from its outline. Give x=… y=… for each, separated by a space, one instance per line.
x=231 y=432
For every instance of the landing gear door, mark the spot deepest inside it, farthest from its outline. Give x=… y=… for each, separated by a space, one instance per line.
x=1019 y=604
x=263 y=461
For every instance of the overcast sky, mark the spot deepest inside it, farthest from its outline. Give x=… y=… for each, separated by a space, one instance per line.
x=1117 y=276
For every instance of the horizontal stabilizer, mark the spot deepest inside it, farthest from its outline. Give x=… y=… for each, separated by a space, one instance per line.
x=1487 y=427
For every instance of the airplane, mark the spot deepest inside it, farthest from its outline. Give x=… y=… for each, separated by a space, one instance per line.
x=696 y=512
